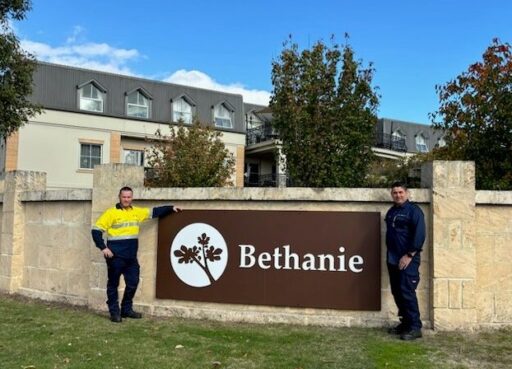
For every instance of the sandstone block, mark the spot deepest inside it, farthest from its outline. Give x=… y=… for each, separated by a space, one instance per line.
x=440 y=293
x=454 y=264
x=485 y=306
x=455 y=294
x=34 y=212
x=503 y=306
x=52 y=213
x=468 y=295
x=452 y=319
x=74 y=212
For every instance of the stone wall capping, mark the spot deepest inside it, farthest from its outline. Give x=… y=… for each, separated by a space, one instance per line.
x=493 y=197
x=379 y=195
x=57 y=195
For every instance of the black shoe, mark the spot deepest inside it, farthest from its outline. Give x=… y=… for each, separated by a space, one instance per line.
x=132 y=314
x=411 y=335
x=116 y=318
x=399 y=329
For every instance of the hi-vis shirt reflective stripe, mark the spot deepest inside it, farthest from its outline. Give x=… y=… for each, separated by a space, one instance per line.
x=122 y=224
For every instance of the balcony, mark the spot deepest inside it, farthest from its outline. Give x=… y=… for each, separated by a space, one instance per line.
x=264 y=180
x=390 y=142
x=260 y=134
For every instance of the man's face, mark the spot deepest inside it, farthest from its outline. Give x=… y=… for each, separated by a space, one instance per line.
x=399 y=195
x=125 y=198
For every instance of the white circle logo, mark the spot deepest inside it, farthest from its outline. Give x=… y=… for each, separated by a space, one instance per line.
x=199 y=255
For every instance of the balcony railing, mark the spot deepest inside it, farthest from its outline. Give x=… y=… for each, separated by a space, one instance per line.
x=267 y=133
x=264 y=180
x=387 y=141
x=260 y=134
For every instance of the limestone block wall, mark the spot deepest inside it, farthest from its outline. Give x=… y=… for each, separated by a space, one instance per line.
x=57 y=245
x=493 y=260
x=46 y=250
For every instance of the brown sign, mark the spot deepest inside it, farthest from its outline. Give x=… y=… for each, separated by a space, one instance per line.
x=281 y=258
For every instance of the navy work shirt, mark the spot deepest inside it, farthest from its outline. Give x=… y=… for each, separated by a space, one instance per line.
x=405 y=231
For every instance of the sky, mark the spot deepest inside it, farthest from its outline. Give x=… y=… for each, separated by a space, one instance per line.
x=230 y=45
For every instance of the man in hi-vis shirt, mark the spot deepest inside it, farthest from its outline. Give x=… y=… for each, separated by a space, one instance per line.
x=121 y=224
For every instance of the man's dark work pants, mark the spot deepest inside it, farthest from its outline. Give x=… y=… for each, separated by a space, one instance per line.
x=130 y=269
x=403 y=287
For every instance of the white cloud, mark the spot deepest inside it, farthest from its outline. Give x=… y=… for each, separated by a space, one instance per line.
x=77 y=31
x=199 y=79
x=98 y=56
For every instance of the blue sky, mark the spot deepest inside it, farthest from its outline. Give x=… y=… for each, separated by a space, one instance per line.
x=230 y=45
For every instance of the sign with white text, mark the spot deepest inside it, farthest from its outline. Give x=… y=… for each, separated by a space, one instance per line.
x=280 y=258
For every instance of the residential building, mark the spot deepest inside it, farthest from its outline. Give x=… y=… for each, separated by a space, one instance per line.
x=264 y=166
x=91 y=117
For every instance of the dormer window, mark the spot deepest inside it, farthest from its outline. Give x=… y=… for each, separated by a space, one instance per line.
x=421 y=143
x=223 y=116
x=397 y=136
x=137 y=104
x=182 y=109
x=91 y=97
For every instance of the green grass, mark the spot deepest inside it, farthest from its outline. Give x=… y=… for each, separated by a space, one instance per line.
x=34 y=335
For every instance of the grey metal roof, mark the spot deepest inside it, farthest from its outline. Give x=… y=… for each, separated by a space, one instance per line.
x=56 y=87
x=410 y=130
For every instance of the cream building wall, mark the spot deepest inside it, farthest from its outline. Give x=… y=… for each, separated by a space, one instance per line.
x=50 y=143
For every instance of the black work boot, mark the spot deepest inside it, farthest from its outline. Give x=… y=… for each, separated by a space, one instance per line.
x=411 y=335
x=115 y=318
x=132 y=314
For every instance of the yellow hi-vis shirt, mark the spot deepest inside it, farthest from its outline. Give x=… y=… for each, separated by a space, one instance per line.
x=122 y=224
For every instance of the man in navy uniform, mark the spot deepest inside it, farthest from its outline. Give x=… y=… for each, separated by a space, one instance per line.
x=404 y=240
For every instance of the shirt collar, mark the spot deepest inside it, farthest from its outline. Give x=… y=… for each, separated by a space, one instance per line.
x=118 y=206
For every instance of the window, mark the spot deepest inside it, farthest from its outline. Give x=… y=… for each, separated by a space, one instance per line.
x=137 y=105
x=421 y=143
x=441 y=142
x=223 y=117
x=181 y=109
x=90 y=155
x=397 y=136
x=134 y=157
x=91 y=98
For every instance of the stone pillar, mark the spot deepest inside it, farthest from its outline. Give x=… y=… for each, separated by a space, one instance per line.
x=12 y=238
x=453 y=255
x=107 y=180
x=239 y=166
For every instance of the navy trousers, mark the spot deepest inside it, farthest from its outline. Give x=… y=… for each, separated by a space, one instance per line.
x=130 y=270
x=403 y=287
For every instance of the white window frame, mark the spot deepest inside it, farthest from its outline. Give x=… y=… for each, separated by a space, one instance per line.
x=83 y=100
x=220 y=119
x=178 y=114
x=421 y=143
x=397 y=135
x=141 y=98
x=140 y=155
x=90 y=156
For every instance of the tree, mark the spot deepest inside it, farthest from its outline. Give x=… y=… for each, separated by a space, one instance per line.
x=16 y=68
x=325 y=116
x=190 y=157
x=476 y=112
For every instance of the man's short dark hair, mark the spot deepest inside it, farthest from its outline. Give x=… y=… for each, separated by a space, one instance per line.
x=399 y=184
x=125 y=188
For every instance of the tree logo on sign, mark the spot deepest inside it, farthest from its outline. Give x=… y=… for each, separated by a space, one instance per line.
x=198 y=255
